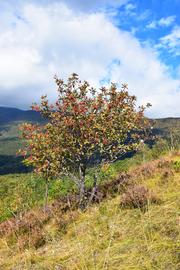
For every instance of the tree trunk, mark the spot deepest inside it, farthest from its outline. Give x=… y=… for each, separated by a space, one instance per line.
x=94 y=190
x=172 y=141
x=82 y=198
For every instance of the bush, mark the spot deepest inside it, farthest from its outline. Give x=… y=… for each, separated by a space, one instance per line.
x=166 y=175
x=138 y=197
x=160 y=148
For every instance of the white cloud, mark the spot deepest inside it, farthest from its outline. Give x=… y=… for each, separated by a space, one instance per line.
x=152 y=25
x=129 y=9
x=172 y=41
x=130 y=6
x=92 y=5
x=167 y=21
x=51 y=39
x=144 y=15
x=163 y=22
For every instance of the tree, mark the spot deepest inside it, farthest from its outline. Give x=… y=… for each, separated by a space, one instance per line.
x=83 y=124
x=40 y=153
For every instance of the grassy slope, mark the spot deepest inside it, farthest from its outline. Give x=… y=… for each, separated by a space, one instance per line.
x=23 y=191
x=109 y=237
x=9 y=139
x=9 y=145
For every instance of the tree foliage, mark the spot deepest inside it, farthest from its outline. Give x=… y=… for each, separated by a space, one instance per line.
x=83 y=124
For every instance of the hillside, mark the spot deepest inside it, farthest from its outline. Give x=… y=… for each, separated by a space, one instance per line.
x=170 y=122
x=108 y=235
x=165 y=126
x=9 y=145
x=10 y=115
x=10 y=119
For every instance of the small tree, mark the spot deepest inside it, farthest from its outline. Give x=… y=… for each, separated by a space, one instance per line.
x=82 y=125
x=39 y=153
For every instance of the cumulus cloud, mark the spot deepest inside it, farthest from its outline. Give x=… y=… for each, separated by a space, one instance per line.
x=42 y=40
x=130 y=6
x=94 y=4
x=163 y=22
x=78 y=5
x=172 y=41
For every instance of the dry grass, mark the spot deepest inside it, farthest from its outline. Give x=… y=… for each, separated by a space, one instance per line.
x=108 y=236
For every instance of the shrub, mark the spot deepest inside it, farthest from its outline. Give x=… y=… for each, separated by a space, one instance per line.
x=145 y=170
x=167 y=174
x=35 y=239
x=137 y=196
x=161 y=147
x=163 y=163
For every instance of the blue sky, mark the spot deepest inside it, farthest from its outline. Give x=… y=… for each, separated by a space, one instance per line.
x=135 y=41
x=150 y=22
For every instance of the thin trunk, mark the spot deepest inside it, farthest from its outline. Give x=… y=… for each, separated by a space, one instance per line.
x=172 y=141
x=46 y=195
x=82 y=195
x=82 y=198
x=94 y=190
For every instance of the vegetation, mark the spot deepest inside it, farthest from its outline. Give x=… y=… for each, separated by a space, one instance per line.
x=130 y=222
x=138 y=196
x=84 y=126
x=9 y=115
x=169 y=129
x=107 y=235
x=21 y=192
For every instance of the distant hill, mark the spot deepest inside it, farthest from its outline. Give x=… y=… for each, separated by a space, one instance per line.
x=169 y=122
x=164 y=126
x=10 y=119
x=8 y=115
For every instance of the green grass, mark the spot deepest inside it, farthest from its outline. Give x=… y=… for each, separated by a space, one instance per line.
x=23 y=191
x=19 y=192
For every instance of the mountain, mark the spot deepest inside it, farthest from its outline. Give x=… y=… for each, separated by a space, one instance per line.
x=9 y=115
x=168 y=128
x=10 y=119
x=168 y=123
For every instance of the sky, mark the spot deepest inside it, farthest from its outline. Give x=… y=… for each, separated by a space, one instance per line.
x=123 y=41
